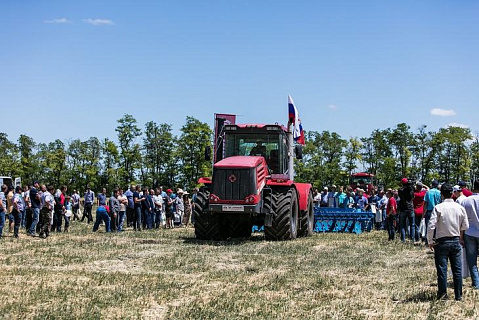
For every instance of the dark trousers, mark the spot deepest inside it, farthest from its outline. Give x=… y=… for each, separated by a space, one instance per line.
x=130 y=216
x=451 y=249
x=57 y=219
x=87 y=213
x=75 y=212
x=28 y=218
x=16 y=219
x=137 y=223
x=406 y=220
x=391 y=226
x=113 y=221
x=144 y=217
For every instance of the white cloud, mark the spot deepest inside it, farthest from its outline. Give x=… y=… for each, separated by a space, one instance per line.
x=61 y=20
x=443 y=112
x=332 y=106
x=459 y=125
x=98 y=22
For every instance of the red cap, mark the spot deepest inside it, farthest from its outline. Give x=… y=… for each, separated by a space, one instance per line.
x=404 y=180
x=169 y=191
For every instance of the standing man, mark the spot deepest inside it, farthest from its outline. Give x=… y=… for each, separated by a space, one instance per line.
x=431 y=199
x=406 y=210
x=449 y=221
x=332 y=201
x=123 y=203
x=114 y=209
x=18 y=207
x=130 y=207
x=89 y=197
x=101 y=199
x=3 y=207
x=137 y=202
x=36 y=205
x=471 y=236
x=46 y=213
x=158 y=203
x=75 y=205
x=418 y=203
x=391 y=214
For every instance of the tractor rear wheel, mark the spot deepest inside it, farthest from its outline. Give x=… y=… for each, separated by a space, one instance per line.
x=206 y=223
x=307 y=219
x=285 y=215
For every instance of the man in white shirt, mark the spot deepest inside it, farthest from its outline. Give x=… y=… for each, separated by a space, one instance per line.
x=445 y=234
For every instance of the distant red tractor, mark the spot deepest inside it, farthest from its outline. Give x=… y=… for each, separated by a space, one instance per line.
x=252 y=184
x=362 y=180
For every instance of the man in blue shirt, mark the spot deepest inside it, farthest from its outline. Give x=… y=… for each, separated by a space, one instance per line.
x=130 y=207
x=431 y=199
x=89 y=197
x=471 y=236
x=101 y=199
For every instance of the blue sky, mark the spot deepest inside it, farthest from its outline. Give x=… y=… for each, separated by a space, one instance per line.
x=70 y=69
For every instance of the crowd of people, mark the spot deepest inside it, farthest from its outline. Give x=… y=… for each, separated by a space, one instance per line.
x=40 y=209
x=444 y=217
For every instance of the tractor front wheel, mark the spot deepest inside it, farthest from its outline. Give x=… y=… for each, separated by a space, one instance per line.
x=285 y=215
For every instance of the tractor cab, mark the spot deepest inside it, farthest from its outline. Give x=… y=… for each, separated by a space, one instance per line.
x=267 y=141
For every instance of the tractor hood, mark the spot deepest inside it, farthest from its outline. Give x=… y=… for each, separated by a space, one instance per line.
x=240 y=162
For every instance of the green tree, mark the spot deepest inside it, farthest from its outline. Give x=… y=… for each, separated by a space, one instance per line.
x=195 y=137
x=9 y=162
x=130 y=156
x=28 y=162
x=110 y=177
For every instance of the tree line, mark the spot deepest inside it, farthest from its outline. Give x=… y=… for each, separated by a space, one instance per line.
x=450 y=154
x=154 y=156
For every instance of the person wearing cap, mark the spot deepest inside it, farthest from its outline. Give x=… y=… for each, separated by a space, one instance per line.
x=431 y=199
x=75 y=205
x=445 y=234
x=89 y=198
x=180 y=205
x=464 y=189
x=418 y=203
x=102 y=214
x=187 y=204
x=471 y=236
x=36 y=206
x=158 y=204
x=332 y=201
x=458 y=194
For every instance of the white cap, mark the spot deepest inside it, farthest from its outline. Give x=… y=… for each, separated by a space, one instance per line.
x=456 y=188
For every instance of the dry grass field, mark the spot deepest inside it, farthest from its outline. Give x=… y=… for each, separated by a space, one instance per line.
x=167 y=274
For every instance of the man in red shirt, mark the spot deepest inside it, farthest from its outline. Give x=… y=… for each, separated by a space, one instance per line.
x=464 y=189
x=391 y=215
x=418 y=202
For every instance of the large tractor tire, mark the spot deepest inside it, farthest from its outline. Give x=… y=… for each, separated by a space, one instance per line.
x=235 y=226
x=206 y=224
x=306 y=224
x=285 y=211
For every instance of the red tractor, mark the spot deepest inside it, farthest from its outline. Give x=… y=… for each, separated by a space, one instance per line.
x=252 y=184
x=362 y=180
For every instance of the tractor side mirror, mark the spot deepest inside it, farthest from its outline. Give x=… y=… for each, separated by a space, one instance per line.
x=298 y=150
x=208 y=153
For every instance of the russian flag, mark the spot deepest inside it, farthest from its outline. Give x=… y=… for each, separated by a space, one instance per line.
x=298 y=133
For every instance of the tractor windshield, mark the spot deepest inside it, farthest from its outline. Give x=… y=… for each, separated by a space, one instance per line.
x=270 y=146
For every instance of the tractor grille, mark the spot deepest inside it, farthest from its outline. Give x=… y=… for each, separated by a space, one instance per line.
x=234 y=184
